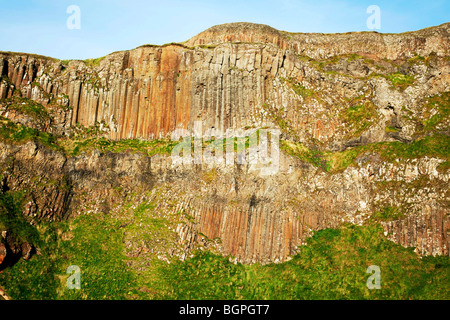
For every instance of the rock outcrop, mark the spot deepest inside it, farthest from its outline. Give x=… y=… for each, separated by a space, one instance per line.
x=229 y=75
x=331 y=93
x=12 y=249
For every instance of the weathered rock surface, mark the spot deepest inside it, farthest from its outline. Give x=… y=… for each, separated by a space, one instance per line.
x=257 y=219
x=319 y=45
x=329 y=91
x=230 y=76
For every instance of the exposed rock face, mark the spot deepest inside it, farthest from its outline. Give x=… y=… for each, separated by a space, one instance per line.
x=330 y=92
x=319 y=45
x=265 y=219
x=149 y=91
x=38 y=172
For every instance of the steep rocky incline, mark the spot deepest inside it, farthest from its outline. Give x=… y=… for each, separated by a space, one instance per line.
x=364 y=121
x=240 y=75
x=254 y=218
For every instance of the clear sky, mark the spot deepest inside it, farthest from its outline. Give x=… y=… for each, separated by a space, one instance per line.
x=39 y=26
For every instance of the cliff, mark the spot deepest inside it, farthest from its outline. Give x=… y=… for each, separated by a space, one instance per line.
x=363 y=116
x=229 y=75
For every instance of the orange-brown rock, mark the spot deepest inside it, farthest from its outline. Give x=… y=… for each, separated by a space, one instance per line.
x=328 y=91
x=320 y=45
x=228 y=77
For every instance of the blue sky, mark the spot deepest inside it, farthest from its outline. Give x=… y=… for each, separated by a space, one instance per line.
x=39 y=26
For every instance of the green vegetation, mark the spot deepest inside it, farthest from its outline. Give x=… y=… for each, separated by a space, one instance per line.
x=417 y=59
x=16 y=133
x=324 y=65
x=35 y=279
x=277 y=116
x=28 y=107
x=436 y=145
x=95 y=83
x=95 y=246
x=353 y=57
x=96 y=243
x=86 y=139
x=93 y=62
x=302 y=91
x=83 y=139
x=390 y=129
x=388 y=214
x=42 y=90
x=399 y=80
x=174 y=44
x=107 y=245
x=339 y=161
x=433 y=146
x=360 y=117
x=5 y=79
x=298 y=88
x=207 y=46
x=31 y=55
x=12 y=219
x=332 y=266
x=316 y=157
x=441 y=105
x=149 y=148
x=443 y=166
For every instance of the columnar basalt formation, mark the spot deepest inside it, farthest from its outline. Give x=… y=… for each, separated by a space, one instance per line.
x=331 y=93
x=224 y=76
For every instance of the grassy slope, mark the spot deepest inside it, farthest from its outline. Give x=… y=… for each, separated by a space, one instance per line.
x=332 y=266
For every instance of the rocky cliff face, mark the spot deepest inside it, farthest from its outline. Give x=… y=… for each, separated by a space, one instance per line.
x=363 y=116
x=226 y=75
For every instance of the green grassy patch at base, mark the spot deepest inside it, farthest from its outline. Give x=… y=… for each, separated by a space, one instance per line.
x=95 y=246
x=96 y=243
x=332 y=266
x=92 y=243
